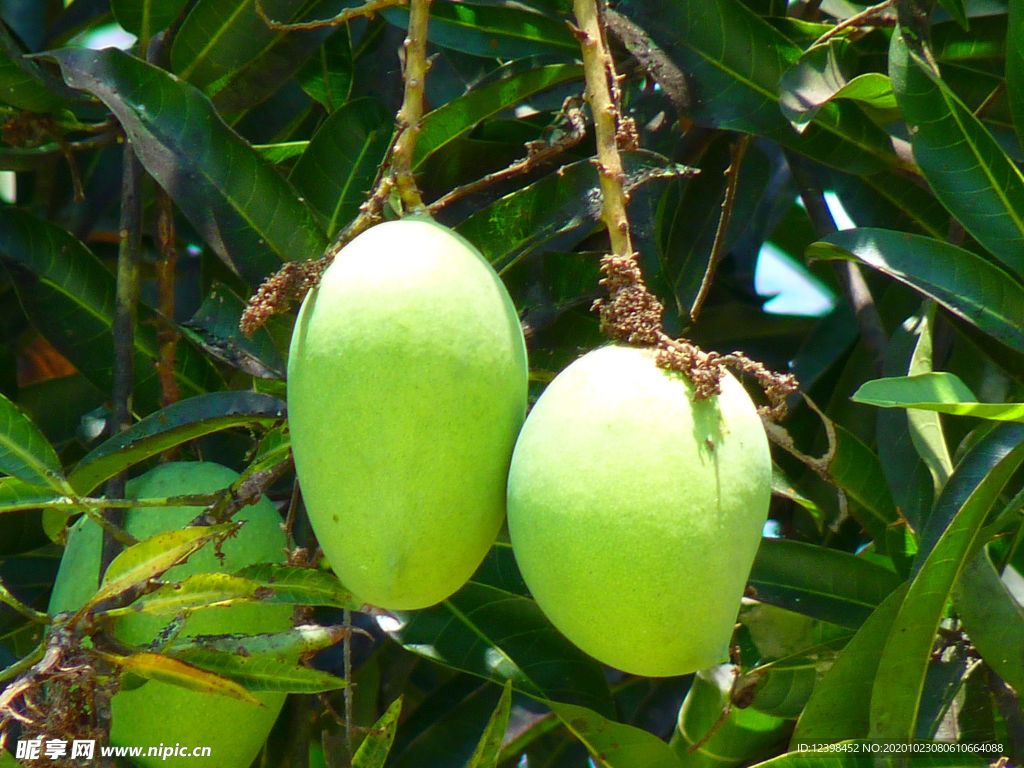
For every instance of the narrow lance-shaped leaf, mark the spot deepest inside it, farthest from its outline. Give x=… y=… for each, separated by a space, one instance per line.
x=262 y=673
x=939 y=391
x=152 y=557
x=375 y=747
x=965 y=166
x=302 y=586
x=827 y=584
x=303 y=639
x=144 y=18
x=25 y=452
x=251 y=217
x=22 y=83
x=947 y=544
x=489 y=748
x=155 y=666
x=967 y=285
x=201 y=590
x=17 y=495
x=993 y=618
x=1015 y=64
x=613 y=744
x=839 y=708
x=176 y=424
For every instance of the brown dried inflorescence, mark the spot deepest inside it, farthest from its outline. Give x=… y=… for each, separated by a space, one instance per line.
x=632 y=314
x=288 y=285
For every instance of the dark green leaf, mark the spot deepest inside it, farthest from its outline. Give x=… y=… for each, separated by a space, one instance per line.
x=993 y=618
x=25 y=452
x=69 y=295
x=499 y=32
x=22 y=84
x=16 y=495
x=783 y=687
x=327 y=76
x=507 y=88
x=824 y=583
x=1015 y=64
x=947 y=544
x=734 y=60
x=966 y=168
x=490 y=630
x=178 y=423
x=489 y=747
x=262 y=673
x=249 y=215
x=839 y=708
x=336 y=172
x=891 y=201
x=144 y=18
x=612 y=744
x=965 y=284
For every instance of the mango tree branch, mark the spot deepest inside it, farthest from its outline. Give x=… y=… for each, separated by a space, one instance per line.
x=409 y=116
x=366 y=9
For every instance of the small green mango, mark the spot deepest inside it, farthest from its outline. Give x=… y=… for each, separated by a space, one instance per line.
x=407 y=381
x=159 y=713
x=635 y=512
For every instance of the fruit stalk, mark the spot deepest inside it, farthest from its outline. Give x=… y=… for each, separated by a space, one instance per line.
x=415 y=73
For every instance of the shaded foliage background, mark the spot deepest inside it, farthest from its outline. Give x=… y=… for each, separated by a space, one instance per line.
x=887 y=606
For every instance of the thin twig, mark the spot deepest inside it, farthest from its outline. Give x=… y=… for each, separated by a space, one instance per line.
x=850 y=278
x=167 y=335
x=857 y=20
x=538 y=152
x=29 y=613
x=367 y=9
x=346 y=648
x=125 y=321
x=732 y=174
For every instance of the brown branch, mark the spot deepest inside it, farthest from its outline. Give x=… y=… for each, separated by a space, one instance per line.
x=409 y=116
x=732 y=174
x=857 y=20
x=167 y=335
x=125 y=321
x=538 y=152
x=366 y=9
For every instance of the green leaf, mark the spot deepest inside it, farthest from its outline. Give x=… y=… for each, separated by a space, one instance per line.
x=17 y=495
x=251 y=217
x=839 y=708
x=827 y=584
x=150 y=558
x=25 y=452
x=612 y=744
x=818 y=77
x=505 y=32
x=336 y=172
x=297 y=641
x=727 y=736
x=980 y=476
x=956 y=9
x=375 y=747
x=327 y=77
x=940 y=392
x=176 y=424
x=507 y=87
x=144 y=18
x=22 y=83
x=965 y=284
x=993 y=618
x=963 y=163
x=1015 y=64
x=282 y=151
x=155 y=666
x=489 y=747
x=262 y=673
x=890 y=201
x=490 y=630
x=734 y=61
x=201 y=590
x=69 y=296
x=215 y=328
x=301 y=586
x=783 y=687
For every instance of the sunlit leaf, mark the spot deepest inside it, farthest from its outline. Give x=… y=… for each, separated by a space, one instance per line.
x=155 y=666
x=201 y=590
x=262 y=673
x=302 y=586
x=375 y=747
x=939 y=391
x=25 y=452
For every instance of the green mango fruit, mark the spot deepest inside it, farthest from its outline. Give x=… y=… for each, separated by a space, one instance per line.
x=635 y=512
x=407 y=382
x=157 y=713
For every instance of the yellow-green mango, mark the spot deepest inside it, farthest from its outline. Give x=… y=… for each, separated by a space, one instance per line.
x=159 y=713
x=407 y=381
x=635 y=512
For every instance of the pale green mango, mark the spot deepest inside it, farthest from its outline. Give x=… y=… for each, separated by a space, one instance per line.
x=407 y=383
x=158 y=713
x=635 y=512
